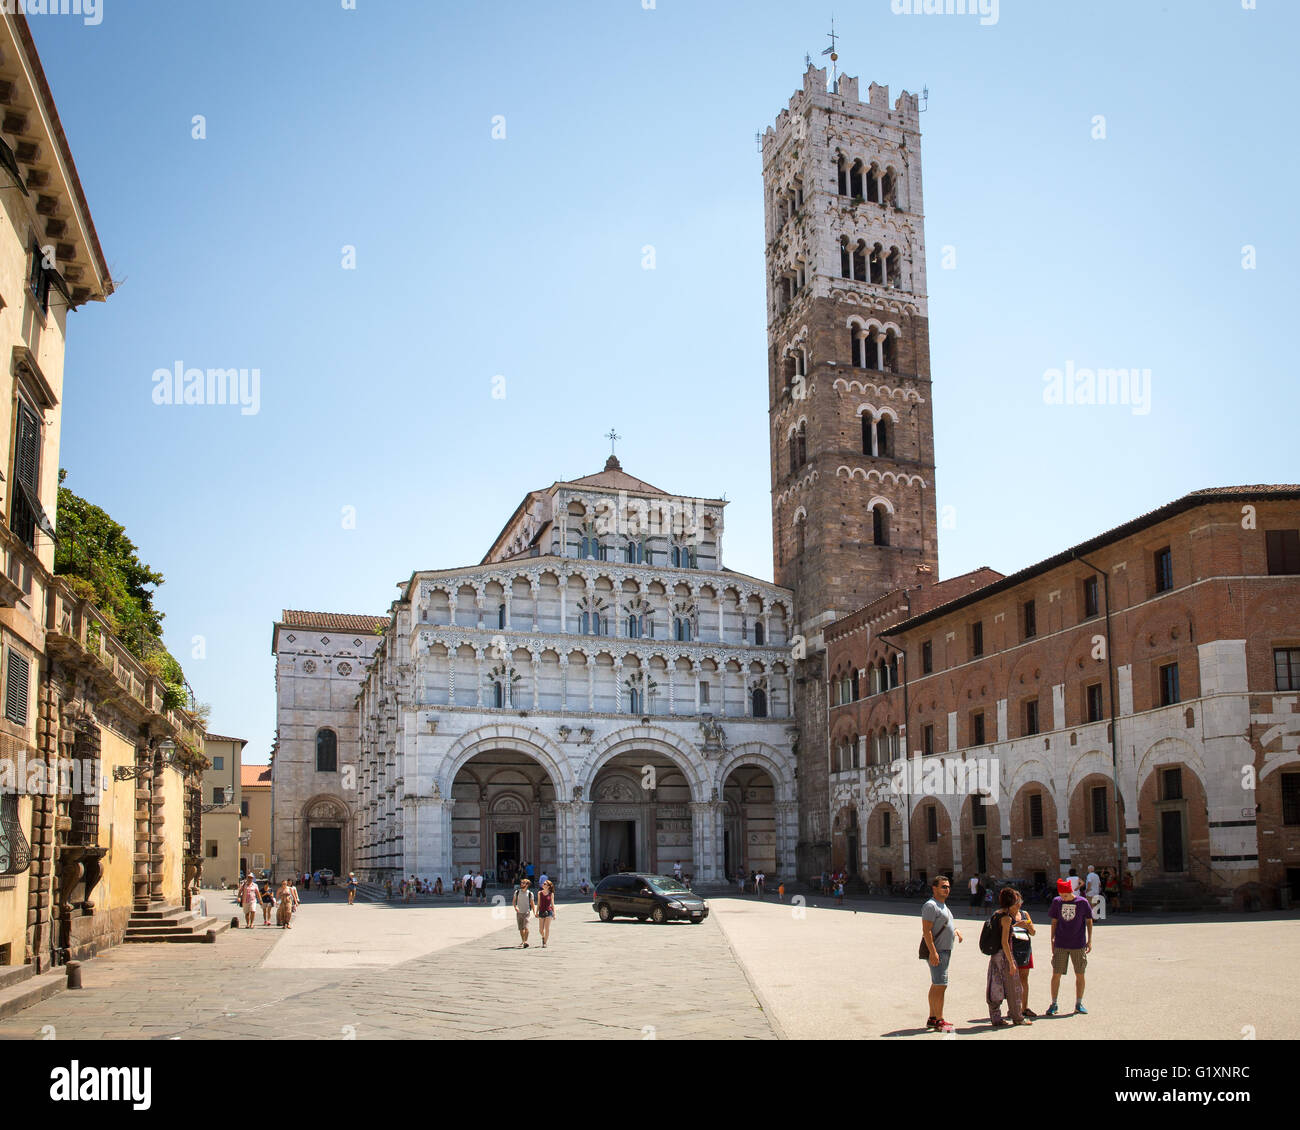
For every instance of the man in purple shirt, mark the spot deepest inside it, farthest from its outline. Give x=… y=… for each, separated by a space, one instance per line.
x=1071 y=941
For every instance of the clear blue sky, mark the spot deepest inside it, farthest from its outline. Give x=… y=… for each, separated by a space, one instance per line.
x=522 y=257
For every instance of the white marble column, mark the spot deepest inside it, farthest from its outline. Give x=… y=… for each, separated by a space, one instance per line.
x=564 y=682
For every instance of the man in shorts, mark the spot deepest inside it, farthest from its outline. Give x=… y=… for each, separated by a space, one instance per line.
x=937 y=934
x=1071 y=941
x=523 y=904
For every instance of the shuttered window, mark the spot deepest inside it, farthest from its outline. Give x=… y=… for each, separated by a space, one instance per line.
x=27 y=471
x=17 y=675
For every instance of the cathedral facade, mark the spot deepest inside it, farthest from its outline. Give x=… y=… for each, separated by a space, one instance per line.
x=598 y=693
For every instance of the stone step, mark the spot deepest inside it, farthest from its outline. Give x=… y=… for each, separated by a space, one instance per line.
x=159 y=912
x=193 y=929
x=15 y=974
x=31 y=990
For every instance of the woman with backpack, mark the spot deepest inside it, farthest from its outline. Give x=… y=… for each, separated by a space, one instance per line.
x=1003 y=977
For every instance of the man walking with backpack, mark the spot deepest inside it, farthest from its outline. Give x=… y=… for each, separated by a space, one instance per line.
x=523 y=904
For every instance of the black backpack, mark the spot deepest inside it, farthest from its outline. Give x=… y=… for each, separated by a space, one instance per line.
x=991 y=935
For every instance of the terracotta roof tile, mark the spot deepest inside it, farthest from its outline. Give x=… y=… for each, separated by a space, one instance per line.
x=254 y=775
x=337 y=621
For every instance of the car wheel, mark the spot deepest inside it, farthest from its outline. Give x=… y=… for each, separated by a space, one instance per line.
x=606 y=914
x=658 y=916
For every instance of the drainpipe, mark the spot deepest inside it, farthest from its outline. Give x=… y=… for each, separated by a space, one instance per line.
x=1114 y=732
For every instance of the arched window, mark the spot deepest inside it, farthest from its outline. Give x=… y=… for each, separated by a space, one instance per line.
x=758 y=634
x=871 y=351
x=866 y=434
x=584 y=623
x=873 y=185
x=894 y=267
x=855 y=180
x=860 y=261
x=889 y=188
x=799 y=524
x=760 y=702
x=794 y=457
x=501 y=615
x=498 y=694
x=893 y=671
x=879 y=525
x=634 y=700
x=801 y=442
x=682 y=629
x=889 y=352
x=327 y=751
x=846 y=259
x=884 y=437
x=877 y=264
x=842 y=176
x=634 y=627
x=853 y=687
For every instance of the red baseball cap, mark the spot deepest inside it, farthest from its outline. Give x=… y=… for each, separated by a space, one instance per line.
x=1063 y=886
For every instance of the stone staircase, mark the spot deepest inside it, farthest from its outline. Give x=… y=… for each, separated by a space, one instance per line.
x=21 y=986
x=172 y=924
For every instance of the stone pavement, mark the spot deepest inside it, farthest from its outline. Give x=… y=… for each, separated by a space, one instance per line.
x=857 y=976
x=753 y=970
x=389 y=971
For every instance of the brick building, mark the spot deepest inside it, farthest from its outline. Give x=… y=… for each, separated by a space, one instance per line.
x=1163 y=655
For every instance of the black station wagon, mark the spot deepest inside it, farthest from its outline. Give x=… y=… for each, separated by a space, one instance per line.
x=660 y=898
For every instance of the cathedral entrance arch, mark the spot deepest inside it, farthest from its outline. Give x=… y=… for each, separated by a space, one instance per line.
x=503 y=816
x=641 y=816
x=749 y=832
x=324 y=835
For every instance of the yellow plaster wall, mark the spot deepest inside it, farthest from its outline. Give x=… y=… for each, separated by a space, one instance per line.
x=173 y=830
x=13 y=904
x=116 y=824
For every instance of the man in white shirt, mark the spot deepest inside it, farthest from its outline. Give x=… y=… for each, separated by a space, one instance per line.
x=677 y=870
x=478 y=886
x=1092 y=891
x=975 y=895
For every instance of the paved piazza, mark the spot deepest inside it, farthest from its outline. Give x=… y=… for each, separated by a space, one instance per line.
x=752 y=971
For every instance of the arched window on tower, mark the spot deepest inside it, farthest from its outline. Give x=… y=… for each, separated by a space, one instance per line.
x=889 y=352
x=855 y=180
x=799 y=524
x=867 y=425
x=893 y=671
x=759 y=703
x=877 y=264
x=873 y=185
x=801 y=442
x=846 y=259
x=879 y=525
x=327 y=751
x=894 y=268
x=853 y=685
x=842 y=175
x=889 y=188
x=860 y=261
x=885 y=437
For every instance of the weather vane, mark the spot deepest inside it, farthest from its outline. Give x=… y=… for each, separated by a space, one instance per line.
x=612 y=436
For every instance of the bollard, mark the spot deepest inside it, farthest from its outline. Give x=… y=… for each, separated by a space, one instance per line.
x=74 y=975
x=234 y=921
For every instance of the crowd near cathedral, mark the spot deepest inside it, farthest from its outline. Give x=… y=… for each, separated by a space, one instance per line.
x=600 y=692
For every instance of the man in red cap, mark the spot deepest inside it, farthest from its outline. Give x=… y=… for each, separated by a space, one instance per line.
x=1071 y=941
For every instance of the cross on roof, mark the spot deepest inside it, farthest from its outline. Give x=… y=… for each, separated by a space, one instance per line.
x=612 y=436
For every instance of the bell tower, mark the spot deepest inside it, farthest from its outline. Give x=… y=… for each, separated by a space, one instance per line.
x=852 y=438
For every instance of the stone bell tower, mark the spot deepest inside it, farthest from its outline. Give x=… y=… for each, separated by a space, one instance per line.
x=853 y=510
